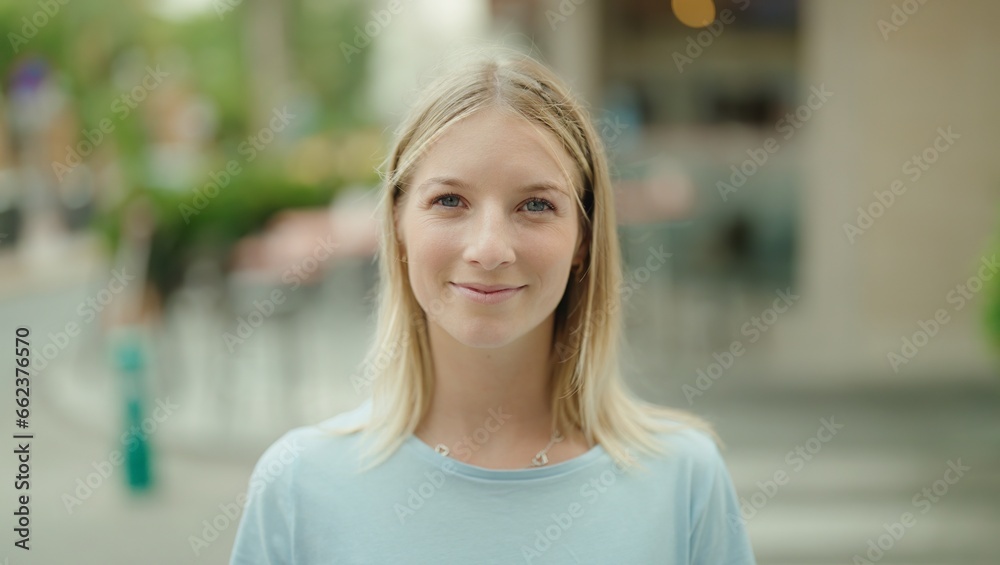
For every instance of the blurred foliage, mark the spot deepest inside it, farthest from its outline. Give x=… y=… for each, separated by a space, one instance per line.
x=992 y=311
x=87 y=42
x=189 y=227
x=91 y=45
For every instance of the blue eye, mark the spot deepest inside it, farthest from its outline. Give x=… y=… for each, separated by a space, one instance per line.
x=447 y=196
x=542 y=202
x=457 y=200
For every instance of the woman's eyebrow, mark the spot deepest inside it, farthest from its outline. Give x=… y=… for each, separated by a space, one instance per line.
x=545 y=186
x=447 y=181
x=541 y=186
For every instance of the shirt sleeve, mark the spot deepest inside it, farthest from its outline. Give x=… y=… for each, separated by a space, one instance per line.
x=264 y=536
x=719 y=535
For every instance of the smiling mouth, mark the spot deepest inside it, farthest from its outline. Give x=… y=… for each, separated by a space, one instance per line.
x=487 y=289
x=497 y=296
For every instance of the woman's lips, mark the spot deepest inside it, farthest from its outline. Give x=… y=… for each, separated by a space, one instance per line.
x=495 y=297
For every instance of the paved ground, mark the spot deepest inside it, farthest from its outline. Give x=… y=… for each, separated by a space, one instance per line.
x=839 y=494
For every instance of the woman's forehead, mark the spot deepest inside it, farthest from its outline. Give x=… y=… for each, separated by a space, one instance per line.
x=491 y=144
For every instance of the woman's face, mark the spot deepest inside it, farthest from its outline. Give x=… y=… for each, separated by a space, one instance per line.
x=490 y=203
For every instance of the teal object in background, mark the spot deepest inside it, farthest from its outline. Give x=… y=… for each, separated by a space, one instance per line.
x=130 y=362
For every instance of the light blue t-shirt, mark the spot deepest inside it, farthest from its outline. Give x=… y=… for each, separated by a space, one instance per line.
x=308 y=505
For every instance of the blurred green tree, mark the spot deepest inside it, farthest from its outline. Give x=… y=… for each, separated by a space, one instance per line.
x=243 y=56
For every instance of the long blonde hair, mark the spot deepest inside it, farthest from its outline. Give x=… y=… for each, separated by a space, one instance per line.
x=589 y=391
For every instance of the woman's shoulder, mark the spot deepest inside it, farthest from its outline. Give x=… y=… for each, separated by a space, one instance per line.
x=320 y=445
x=689 y=443
x=347 y=420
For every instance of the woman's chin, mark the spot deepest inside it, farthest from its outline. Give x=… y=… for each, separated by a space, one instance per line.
x=483 y=334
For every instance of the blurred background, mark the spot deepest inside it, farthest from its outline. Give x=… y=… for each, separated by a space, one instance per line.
x=808 y=201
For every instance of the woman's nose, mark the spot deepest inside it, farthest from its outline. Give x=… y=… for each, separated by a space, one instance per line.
x=490 y=240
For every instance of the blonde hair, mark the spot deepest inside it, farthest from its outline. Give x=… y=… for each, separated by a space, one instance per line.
x=589 y=391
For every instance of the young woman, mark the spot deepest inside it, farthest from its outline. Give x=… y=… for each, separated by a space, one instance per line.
x=498 y=429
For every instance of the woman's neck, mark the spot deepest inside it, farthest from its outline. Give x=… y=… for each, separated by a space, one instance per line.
x=490 y=404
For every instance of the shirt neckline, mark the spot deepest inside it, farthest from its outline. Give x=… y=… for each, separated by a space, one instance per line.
x=456 y=467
